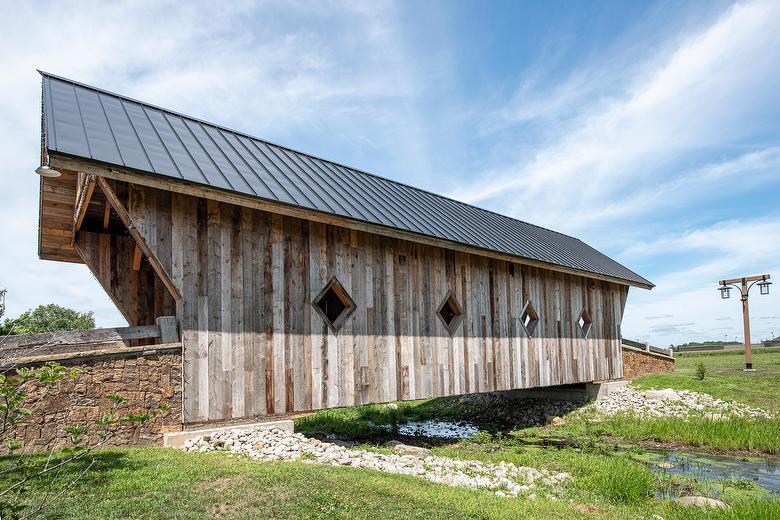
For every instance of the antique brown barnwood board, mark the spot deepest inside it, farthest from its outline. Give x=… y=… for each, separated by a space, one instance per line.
x=253 y=346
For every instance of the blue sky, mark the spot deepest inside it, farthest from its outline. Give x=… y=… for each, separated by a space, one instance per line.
x=649 y=130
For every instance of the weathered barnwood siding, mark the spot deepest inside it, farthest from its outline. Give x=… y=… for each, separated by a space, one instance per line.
x=138 y=294
x=253 y=344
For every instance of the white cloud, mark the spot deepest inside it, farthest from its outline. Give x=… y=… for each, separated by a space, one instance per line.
x=711 y=90
x=621 y=139
x=332 y=69
x=628 y=144
x=688 y=294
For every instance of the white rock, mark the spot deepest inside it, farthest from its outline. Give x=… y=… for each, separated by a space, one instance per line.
x=264 y=444
x=703 y=502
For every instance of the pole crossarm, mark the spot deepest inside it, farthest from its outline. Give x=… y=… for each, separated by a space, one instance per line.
x=757 y=278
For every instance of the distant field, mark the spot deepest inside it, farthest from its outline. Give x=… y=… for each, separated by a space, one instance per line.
x=725 y=378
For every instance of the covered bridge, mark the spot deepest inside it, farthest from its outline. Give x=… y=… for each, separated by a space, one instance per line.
x=299 y=283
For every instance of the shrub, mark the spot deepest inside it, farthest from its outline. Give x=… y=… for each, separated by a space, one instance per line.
x=701 y=371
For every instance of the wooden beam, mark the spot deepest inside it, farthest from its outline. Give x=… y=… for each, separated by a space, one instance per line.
x=64 y=233
x=54 y=339
x=102 y=352
x=121 y=212
x=83 y=197
x=186 y=188
x=761 y=277
x=106 y=215
x=137 y=258
x=169 y=332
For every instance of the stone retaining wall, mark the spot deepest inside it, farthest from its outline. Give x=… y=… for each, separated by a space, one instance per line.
x=145 y=381
x=637 y=363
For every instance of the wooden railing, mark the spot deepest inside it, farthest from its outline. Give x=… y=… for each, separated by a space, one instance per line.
x=58 y=346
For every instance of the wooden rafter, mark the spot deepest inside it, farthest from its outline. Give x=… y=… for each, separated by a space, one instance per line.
x=106 y=215
x=137 y=258
x=123 y=215
x=83 y=196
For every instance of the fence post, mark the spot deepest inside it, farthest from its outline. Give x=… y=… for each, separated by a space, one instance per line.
x=169 y=332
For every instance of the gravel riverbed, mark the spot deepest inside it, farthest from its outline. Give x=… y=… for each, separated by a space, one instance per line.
x=269 y=444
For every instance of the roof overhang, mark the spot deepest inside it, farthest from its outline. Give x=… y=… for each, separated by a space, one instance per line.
x=55 y=218
x=176 y=185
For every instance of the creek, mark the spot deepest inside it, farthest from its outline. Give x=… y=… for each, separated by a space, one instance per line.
x=764 y=472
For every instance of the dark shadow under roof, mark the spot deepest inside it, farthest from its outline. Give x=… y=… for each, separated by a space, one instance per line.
x=89 y=123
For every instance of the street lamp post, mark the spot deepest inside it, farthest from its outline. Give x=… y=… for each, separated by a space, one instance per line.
x=745 y=284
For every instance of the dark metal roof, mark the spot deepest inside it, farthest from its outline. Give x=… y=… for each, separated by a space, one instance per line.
x=89 y=123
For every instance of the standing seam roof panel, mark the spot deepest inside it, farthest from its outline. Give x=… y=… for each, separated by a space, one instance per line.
x=48 y=118
x=236 y=162
x=412 y=211
x=304 y=183
x=290 y=187
x=346 y=207
x=130 y=147
x=155 y=149
x=333 y=201
x=69 y=129
x=362 y=212
x=408 y=219
x=273 y=183
x=78 y=119
x=369 y=201
x=199 y=156
x=181 y=158
x=101 y=140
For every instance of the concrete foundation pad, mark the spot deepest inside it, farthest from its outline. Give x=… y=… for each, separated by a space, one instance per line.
x=603 y=389
x=177 y=439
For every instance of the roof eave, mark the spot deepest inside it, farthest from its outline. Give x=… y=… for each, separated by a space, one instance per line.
x=174 y=184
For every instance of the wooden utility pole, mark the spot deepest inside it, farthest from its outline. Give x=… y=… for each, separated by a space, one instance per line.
x=744 y=290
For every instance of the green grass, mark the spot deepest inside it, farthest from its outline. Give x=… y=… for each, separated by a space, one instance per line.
x=724 y=378
x=162 y=483
x=734 y=434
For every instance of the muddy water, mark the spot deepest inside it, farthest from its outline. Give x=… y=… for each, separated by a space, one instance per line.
x=764 y=472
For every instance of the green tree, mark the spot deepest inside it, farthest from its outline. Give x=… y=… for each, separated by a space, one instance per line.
x=48 y=318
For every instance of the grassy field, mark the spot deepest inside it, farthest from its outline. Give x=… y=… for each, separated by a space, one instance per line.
x=162 y=483
x=724 y=377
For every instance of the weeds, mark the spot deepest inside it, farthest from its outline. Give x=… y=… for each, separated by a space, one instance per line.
x=626 y=482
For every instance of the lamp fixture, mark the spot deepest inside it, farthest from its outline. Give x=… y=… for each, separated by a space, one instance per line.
x=45 y=170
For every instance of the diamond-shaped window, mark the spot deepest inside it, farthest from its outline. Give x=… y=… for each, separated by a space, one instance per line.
x=334 y=305
x=584 y=322
x=450 y=313
x=529 y=318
